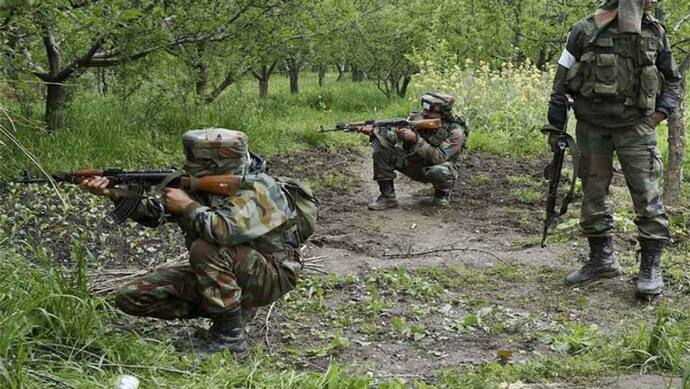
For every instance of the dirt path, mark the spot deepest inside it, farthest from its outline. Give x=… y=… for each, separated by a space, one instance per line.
x=414 y=315
x=406 y=316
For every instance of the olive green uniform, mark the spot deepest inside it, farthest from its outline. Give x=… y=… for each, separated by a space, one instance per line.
x=617 y=81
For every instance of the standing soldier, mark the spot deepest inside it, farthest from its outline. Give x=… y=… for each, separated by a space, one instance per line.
x=243 y=248
x=425 y=156
x=618 y=68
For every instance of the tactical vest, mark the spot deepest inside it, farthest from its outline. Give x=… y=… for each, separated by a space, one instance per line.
x=619 y=68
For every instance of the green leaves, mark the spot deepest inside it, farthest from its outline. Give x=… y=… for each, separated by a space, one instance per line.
x=130 y=14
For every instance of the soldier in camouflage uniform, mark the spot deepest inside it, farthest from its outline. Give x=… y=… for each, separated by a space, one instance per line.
x=425 y=156
x=242 y=250
x=618 y=68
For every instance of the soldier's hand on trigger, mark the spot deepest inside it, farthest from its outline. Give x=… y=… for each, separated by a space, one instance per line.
x=96 y=185
x=406 y=135
x=366 y=129
x=176 y=200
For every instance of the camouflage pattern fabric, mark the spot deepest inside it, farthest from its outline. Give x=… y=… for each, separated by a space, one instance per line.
x=433 y=159
x=217 y=278
x=252 y=230
x=636 y=148
x=215 y=151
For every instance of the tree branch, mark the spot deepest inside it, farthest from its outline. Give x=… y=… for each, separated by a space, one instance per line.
x=79 y=62
x=229 y=79
x=52 y=51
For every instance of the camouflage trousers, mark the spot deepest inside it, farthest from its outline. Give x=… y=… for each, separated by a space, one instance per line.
x=636 y=148
x=216 y=279
x=389 y=159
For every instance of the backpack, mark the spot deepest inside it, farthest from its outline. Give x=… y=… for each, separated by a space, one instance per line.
x=302 y=200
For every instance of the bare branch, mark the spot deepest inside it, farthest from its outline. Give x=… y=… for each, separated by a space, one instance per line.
x=79 y=62
x=680 y=24
x=52 y=50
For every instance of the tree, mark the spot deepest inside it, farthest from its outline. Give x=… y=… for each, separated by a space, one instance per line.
x=59 y=39
x=679 y=30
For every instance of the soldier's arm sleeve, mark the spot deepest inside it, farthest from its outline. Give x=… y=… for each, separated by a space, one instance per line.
x=241 y=218
x=558 y=102
x=445 y=151
x=669 y=98
x=150 y=212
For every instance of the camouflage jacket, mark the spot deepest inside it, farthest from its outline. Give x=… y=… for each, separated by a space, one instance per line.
x=433 y=147
x=256 y=216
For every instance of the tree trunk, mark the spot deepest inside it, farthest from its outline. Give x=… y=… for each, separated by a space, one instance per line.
x=102 y=81
x=402 y=90
x=263 y=87
x=293 y=74
x=201 y=78
x=357 y=74
x=322 y=75
x=55 y=106
x=227 y=81
x=341 y=71
x=673 y=176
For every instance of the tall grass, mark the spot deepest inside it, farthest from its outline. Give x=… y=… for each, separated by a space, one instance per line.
x=146 y=129
x=54 y=334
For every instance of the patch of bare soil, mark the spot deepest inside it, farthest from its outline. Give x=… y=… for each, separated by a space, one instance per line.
x=514 y=290
x=414 y=289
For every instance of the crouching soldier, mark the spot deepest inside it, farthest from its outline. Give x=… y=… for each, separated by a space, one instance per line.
x=243 y=248
x=425 y=156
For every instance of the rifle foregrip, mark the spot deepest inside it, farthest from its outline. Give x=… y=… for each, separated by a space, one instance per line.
x=427 y=124
x=224 y=185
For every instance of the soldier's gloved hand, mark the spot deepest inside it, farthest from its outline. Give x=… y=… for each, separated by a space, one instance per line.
x=654 y=119
x=367 y=129
x=176 y=200
x=406 y=135
x=96 y=185
x=553 y=140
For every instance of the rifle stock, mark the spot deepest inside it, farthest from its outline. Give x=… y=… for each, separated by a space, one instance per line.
x=419 y=125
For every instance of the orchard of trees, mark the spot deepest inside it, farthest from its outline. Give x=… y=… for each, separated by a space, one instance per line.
x=96 y=44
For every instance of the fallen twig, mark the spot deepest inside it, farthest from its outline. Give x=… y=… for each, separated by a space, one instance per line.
x=418 y=253
x=268 y=317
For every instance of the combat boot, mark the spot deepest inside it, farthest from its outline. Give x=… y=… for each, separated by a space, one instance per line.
x=441 y=198
x=602 y=263
x=248 y=314
x=387 y=197
x=227 y=333
x=650 y=280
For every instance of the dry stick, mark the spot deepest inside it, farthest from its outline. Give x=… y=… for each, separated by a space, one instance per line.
x=416 y=254
x=268 y=317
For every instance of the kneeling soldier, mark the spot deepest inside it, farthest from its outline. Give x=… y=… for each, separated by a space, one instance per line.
x=425 y=156
x=243 y=248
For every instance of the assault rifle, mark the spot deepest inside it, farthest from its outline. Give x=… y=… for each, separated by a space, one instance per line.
x=138 y=182
x=552 y=172
x=419 y=125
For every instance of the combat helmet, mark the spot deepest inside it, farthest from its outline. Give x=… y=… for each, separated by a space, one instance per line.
x=437 y=102
x=215 y=151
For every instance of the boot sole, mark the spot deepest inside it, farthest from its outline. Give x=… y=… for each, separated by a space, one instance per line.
x=382 y=209
x=650 y=293
x=610 y=274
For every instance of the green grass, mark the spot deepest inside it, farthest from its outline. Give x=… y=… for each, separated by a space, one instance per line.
x=146 y=129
